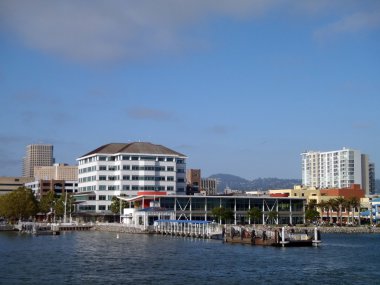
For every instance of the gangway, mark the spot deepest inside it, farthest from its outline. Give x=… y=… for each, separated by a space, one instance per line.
x=187 y=228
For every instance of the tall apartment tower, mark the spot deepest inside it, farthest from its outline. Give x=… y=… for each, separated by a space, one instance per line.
x=37 y=155
x=336 y=169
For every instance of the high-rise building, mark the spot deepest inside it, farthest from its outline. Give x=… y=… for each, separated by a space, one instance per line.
x=372 y=186
x=37 y=155
x=335 y=169
x=126 y=169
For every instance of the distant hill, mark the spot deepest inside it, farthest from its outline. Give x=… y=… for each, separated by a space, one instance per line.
x=238 y=183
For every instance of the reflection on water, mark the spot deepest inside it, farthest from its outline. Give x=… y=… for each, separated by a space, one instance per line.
x=110 y=258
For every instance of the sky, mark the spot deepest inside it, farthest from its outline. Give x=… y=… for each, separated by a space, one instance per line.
x=240 y=87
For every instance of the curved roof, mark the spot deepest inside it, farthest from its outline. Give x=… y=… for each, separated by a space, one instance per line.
x=135 y=147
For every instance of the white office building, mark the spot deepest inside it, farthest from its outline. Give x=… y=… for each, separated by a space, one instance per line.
x=335 y=169
x=126 y=169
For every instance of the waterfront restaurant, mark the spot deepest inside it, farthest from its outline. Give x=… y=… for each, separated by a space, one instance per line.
x=147 y=207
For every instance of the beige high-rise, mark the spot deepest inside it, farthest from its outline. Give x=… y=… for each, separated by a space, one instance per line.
x=37 y=155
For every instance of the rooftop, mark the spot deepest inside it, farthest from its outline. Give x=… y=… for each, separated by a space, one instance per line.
x=134 y=147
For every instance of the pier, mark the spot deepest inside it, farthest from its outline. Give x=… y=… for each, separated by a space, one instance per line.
x=63 y=227
x=187 y=228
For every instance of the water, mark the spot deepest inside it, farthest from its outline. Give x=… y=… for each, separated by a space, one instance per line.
x=110 y=258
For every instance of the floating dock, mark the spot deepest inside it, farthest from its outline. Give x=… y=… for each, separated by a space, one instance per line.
x=280 y=237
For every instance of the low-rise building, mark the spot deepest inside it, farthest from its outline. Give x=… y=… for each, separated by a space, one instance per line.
x=42 y=187
x=9 y=184
x=145 y=208
x=323 y=197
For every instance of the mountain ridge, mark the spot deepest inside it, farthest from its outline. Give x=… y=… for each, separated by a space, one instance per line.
x=262 y=184
x=235 y=182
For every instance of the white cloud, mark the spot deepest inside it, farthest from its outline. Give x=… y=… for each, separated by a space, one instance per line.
x=101 y=31
x=352 y=23
x=98 y=31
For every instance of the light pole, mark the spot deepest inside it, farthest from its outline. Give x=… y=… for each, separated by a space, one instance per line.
x=64 y=210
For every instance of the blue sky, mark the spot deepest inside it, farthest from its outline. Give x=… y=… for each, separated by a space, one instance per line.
x=240 y=87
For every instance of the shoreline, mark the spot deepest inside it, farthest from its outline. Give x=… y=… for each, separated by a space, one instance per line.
x=120 y=228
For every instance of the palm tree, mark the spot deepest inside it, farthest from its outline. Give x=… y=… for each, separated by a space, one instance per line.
x=254 y=214
x=322 y=205
x=272 y=216
x=354 y=203
x=312 y=204
x=331 y=204
x=340 y=201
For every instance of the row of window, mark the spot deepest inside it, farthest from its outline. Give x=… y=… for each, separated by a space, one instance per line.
x=129 y=167
x=130 y=157
x=128 y=188
x=130 y=177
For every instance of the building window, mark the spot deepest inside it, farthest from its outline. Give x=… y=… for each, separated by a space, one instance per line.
x=102 y=207
x=102 y=197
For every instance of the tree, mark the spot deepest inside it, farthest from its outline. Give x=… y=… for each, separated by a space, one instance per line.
x=312 y=204
x=311 y=215
x=340 y=202
x=47 y=202
x=222 y=214
x=63 y=201
x=322 y=205
x=272 y=216
x=19 y=204
x=331 y=204
x=115 y=205
x=354 y=203
x=255 y=214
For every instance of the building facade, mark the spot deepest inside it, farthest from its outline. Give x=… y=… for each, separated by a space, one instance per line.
x=58 y=171
x=193 y=181
x=37 y=155
x=123 y=169
x=372 y=179
x=59 y=187
x=200 y=208
x=209 y=186
x=335 y=169
x=9 y=184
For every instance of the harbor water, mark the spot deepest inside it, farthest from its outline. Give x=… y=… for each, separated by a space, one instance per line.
x=109 y=258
